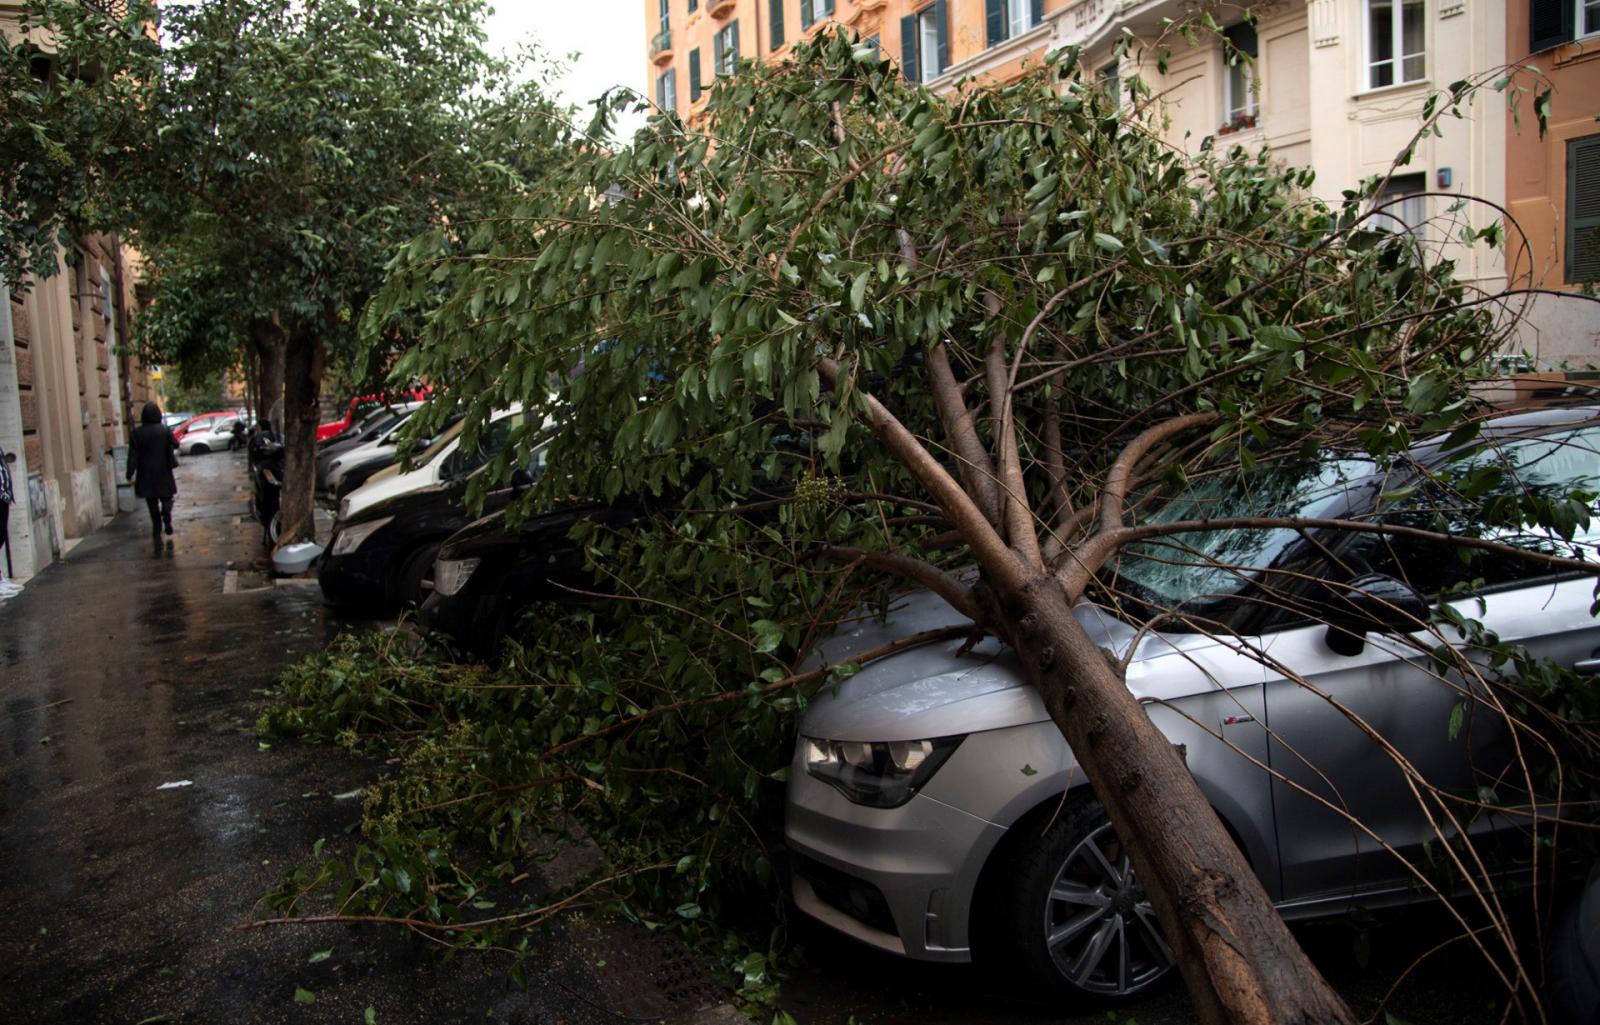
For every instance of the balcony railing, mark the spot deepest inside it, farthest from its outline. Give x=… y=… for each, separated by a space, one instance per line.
x=110 y=8
x=661 y=46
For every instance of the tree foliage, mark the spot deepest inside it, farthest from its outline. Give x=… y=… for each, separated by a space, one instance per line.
x=1008 y=320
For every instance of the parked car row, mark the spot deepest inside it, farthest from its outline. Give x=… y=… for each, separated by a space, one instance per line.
x=934 y=810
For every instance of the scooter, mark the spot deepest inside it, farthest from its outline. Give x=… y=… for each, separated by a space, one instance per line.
x=266 y=476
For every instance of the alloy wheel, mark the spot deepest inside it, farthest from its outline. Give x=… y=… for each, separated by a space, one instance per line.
x=1099 y=926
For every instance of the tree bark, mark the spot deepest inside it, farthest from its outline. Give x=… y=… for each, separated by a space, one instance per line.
x=302 y=386
x=1239 y=961
x=268 y=341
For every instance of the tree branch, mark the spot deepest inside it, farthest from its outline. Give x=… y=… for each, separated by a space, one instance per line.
x=946 y=586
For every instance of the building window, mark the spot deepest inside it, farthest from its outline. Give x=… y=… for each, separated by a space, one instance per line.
x=925 y=42
x=1395 y=47
x=694 y=75
x=1238 y=83
x=694 y=5
x=1401 y=207
x=666 y=19
x=1004 y=19
x=1111 y=82
x=1583 y=210
x=1553 y=22
x=813 y=11
x=725 y=48
x=775 y=16
x=667 y=90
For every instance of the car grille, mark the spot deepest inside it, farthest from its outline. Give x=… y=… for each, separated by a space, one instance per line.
x=843 y=892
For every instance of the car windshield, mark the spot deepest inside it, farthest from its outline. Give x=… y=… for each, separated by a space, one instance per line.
x=1206 y=566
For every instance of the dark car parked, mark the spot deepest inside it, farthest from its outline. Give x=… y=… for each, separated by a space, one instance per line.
x=382 y=561
x=370 y=428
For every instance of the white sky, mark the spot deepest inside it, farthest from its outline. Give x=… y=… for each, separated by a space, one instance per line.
x=607 y=35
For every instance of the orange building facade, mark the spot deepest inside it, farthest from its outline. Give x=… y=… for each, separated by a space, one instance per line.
x=1553 y=183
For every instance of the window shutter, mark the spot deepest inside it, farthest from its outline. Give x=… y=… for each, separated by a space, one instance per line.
x=694 y=74
x=1036 y=7
x=733 y=44
x=828 y=6
x=776 y=9
x=807 y=15
x=994 y=20
x=1583 y=210
x=1550 y=23
x=716 y=54
x=908 y=48
x=672 y=89
x=941 y=22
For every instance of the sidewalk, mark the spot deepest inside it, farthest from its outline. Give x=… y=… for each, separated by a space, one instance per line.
x=124 y=668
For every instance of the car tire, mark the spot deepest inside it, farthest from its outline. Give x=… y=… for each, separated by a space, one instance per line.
x=200 y=450
x=1072 y=918
x=416 y=577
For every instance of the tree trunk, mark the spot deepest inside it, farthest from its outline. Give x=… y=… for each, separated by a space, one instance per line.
x=1239 y=961
x=302 y=386
x=268 y=341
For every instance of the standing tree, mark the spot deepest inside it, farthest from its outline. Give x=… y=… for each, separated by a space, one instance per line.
x=1013 y=311
x=293 y=146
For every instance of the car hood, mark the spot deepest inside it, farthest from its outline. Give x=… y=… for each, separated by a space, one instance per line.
x=938 y=690
x=383 y=486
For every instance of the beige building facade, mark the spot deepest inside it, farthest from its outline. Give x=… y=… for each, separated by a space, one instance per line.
x=68 y=394
x=1338 y=86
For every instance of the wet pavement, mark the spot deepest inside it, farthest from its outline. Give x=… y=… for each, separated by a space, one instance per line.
x=125 y=667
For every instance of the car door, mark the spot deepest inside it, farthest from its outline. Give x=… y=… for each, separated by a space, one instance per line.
x=1341 y=725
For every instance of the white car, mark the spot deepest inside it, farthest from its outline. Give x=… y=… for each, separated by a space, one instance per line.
x=215 y=436
x=441 y=461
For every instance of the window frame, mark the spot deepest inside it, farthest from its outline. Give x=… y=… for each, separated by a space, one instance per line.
x=725 y=40
x=667 y=90
x=1245 y=71
x=926 y=21
x=1397 y=60
x=1579 y=12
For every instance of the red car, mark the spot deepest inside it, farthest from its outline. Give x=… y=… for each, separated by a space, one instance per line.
x=204 y=420
x=360 y=406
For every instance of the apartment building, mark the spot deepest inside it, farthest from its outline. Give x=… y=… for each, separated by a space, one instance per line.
x=1553 y=183
x=1335 y=85
x=67 y=394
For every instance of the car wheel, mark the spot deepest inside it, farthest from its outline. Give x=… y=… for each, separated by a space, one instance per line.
x=416 y=577
x=274 y=525
x=1076 y=920
x=199 y=450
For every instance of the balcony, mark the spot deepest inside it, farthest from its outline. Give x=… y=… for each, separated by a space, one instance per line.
x=661 y=47
x=721 y=8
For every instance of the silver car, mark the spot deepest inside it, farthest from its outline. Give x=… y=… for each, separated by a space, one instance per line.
x=934 y=808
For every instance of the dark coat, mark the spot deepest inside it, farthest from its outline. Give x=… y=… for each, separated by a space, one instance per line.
x=148 y=465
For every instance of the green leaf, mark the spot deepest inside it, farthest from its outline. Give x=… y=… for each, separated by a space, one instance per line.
x=1110 y=243
x=370 y=1016
x=688 y=910
x=321 y=955
x=304 y=996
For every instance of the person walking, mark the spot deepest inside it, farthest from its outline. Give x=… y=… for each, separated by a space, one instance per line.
x=8 y=589
x=152 y=454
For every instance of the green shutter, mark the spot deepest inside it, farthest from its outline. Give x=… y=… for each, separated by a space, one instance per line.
x=806 y=18
x=941 y=22
x=1550 y=23
x=1583 y=210
x=694 y=74
x=994 y=20
x=776 y=12
x=1037 y=6
x=908 y=48
x=733 y=37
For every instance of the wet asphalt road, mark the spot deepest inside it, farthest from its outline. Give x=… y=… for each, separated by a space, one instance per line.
x=126 y=667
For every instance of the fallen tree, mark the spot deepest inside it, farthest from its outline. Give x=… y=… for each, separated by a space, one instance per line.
x=1016 y=316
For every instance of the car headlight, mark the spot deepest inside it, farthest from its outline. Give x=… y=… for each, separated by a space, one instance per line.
x=878 y=774
x=351 y=537
x=344 y=510
x=450 y=575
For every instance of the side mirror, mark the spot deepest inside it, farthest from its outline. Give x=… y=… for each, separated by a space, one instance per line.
x=521 y=480
x=1372 y=603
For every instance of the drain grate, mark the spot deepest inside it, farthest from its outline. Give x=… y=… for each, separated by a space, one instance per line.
x=639 y=974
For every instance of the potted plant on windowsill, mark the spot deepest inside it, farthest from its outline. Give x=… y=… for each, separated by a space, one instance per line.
x=1239 y=123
